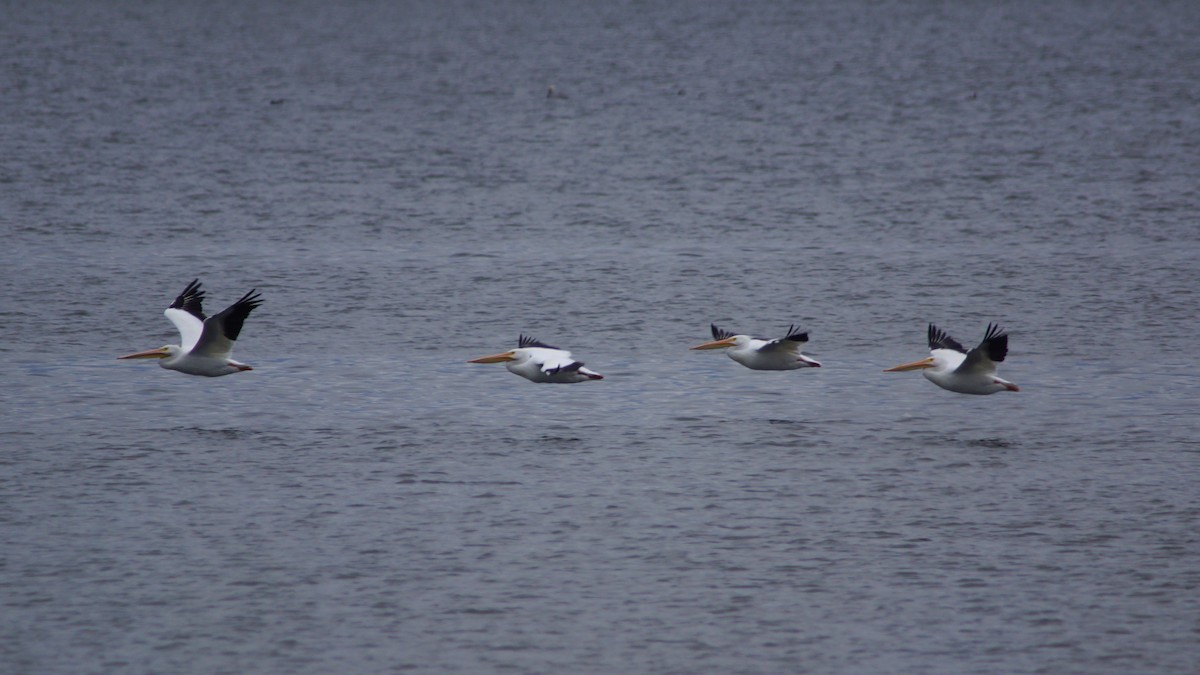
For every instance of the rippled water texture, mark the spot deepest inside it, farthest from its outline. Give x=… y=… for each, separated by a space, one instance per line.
x=395 y=181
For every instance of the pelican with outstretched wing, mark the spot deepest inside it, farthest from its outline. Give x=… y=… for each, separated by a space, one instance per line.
x=542 y=363
x=952 y=367
x=760 y=353
x=205 y=342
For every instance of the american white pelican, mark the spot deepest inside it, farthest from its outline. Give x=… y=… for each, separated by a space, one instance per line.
x=538 y=362
x=951 y=367
x=761 y=354
x=206 y=343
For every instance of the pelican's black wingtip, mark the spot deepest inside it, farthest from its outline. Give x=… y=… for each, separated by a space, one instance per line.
x=720 y=333
x=526 y=341
x=233 y=316
x=939 y=339
x=995 y=342
x=191 y=300
x=250 y=300
x=795 y=334
x=994 y=331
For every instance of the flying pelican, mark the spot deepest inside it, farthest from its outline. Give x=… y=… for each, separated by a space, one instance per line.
x=206 y=342
x=539 y=362
x=760 y=354
x=951 y=367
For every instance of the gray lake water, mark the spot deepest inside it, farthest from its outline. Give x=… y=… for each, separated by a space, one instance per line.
x=395 y=181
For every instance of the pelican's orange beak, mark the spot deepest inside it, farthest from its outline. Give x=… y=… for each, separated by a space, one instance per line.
x=494 y=358
x=160 y=353
x=915 y=365
x=716 y=344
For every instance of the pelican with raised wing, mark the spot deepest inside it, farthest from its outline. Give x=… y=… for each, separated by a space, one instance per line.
x=760 y=353
x=540 y=362
x=205 y=343
x=952 y=367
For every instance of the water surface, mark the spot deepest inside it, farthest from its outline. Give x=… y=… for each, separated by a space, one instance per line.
x=399 y=187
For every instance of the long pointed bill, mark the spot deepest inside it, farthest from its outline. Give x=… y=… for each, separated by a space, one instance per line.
x=494 y=358
x=148 y=354
x=716 y=344
x=915 y=365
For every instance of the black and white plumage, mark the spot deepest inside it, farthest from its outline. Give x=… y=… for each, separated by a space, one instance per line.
x=542 y=363
x=761 y=353
x=951 y=367
x=205 y=342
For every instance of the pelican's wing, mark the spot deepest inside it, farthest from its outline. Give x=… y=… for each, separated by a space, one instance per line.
x=552 y=360
x=221 y=329
x=187 y=313
x=789 y=343
x=721 y=333
x=938 y=339
x=992 y=350
x=573 y=365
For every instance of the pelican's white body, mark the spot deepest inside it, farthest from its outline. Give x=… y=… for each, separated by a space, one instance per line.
x=541 y=363
x=210 y=359
x=538 y=364
x=206 y=365
x=758 y=354
x=981 y=380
